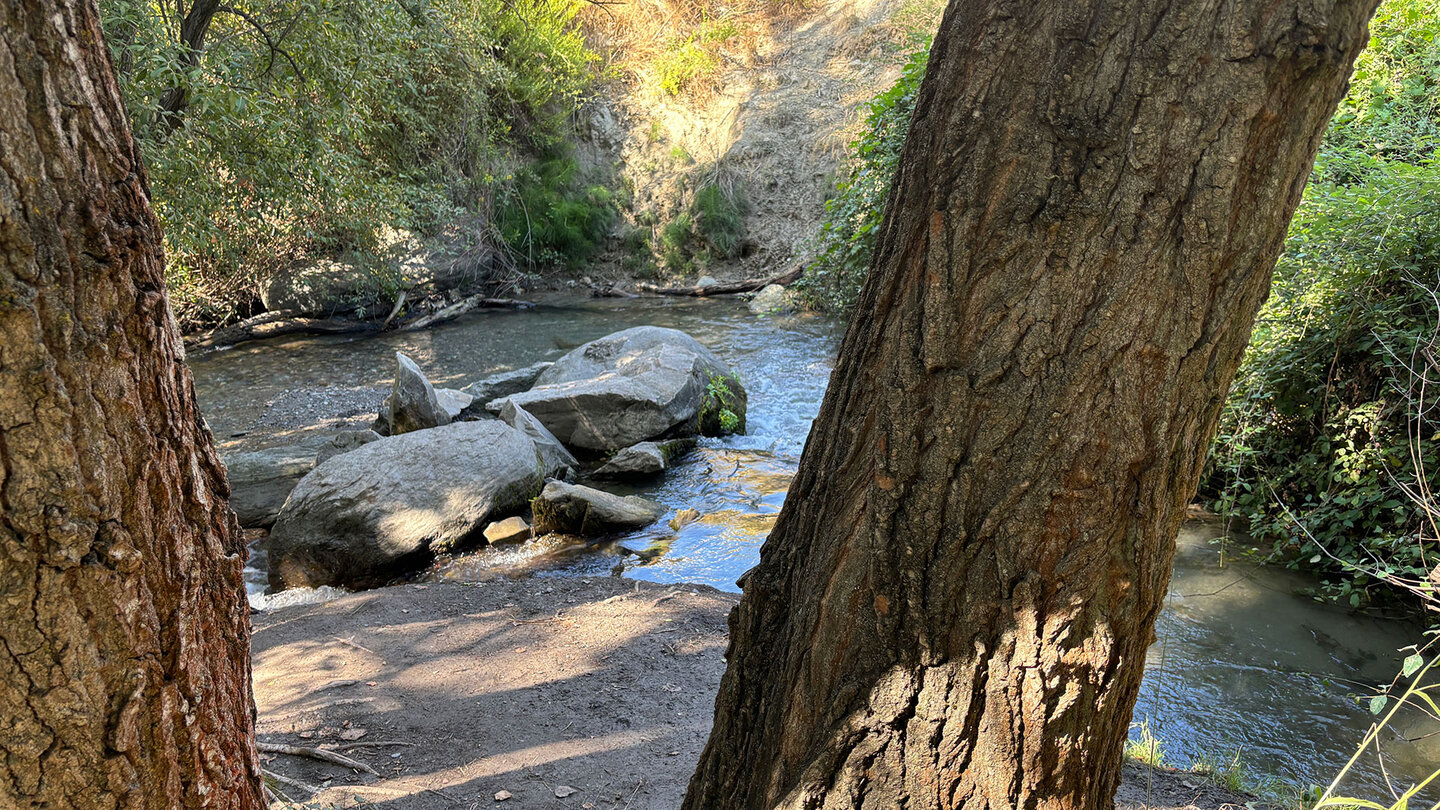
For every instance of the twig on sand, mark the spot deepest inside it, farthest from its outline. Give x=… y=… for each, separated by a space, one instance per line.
x=288 y=782
x=316 y=753
x=364 y=744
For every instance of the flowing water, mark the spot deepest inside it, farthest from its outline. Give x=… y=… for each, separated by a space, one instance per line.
x=1243 y=662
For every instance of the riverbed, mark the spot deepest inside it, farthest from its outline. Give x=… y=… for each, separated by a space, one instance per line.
x=1243 y=661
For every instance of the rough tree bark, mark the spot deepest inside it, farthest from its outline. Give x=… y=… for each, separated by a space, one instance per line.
x=124 y=632
x=954 y=606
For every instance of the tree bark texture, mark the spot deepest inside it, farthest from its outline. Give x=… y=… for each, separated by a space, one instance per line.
x=954 y=606
x=124 y=631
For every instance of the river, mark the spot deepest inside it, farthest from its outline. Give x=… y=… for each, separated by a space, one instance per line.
x=1243 y=660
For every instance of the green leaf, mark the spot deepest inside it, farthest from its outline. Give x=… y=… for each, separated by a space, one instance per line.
x=1377 y=703
x=1412 y=665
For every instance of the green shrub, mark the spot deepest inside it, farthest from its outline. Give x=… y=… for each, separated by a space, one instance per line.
x=550 y=215
x=719 y=214
x=362 y=117
x=1329 y=435
x=853 y=215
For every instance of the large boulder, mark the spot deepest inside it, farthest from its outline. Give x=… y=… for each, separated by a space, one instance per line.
x=573 y=509
x=773 y=300
x=412 y=404
x=385 y=508
x=638 y=384
x=344 y=442
x=260 y=481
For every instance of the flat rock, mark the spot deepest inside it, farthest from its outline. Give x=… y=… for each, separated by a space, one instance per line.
x=574 y=509
x=453 y=402
x=260 y=481
x=503 y=384
x=772 y=300
x=363 y=517
x=635 y=385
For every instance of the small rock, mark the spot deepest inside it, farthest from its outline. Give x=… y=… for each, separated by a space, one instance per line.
x=565 y=790
x=573 y=509
x=351 y=734
x=509 y=530
x=504 y=796
x=684 y=518
x=772 y=300
x=707 y=281
x=645 y=458
x=454 y=402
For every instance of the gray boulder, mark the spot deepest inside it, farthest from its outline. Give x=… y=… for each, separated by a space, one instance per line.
x=573 y=509
x=558 y=461
x=260 y=481
x=412 y=404
x=504 y=384
x=772 y=300
x=644 y=459
x=363 y=517
x=638 y=384
x=343 y=443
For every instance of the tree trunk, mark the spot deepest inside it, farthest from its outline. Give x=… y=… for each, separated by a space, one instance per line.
x=124 y=631
x=954 y=606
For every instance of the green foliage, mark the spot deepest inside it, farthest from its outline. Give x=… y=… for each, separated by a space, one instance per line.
x=719 y=211
x=687 y=60
x=551 y=216
x=717 y=410
x=314 y=125
x=1146 y=748
x=1328 y=439
x=854 y=215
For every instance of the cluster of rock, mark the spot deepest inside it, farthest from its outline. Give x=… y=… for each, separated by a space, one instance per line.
x=444 y=469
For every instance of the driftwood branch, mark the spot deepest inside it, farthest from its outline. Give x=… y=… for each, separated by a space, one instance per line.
x=274 y=324
x=315 y=753
x=749 y=285
x=459 y=308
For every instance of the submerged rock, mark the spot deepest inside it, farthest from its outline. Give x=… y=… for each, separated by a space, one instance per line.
x=644 y=459
x=634 y=385
x=364 y=517
x=573 y=509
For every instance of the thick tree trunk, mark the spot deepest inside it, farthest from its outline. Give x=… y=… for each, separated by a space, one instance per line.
x=124 y=648
x=954 y=606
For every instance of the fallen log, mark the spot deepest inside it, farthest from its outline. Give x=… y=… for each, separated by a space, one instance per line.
x=275 y=324
x=463 y=306
x=732 y=288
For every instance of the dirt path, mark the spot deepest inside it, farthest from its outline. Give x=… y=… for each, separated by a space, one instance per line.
x=537 y=687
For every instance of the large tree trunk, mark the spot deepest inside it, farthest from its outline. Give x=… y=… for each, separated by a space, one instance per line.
x=954 y=606
x=124 y=647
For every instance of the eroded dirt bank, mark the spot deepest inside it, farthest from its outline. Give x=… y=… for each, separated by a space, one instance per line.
x=564 y=693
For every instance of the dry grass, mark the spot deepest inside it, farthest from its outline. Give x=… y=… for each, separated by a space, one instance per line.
x=682 y=49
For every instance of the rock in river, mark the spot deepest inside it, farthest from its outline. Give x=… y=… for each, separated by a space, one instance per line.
x=363 y=517
x=573 y=509
x=505 y=383
x=634 y=385
x=644 y=459
x=412 y=404
x=260 y=481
